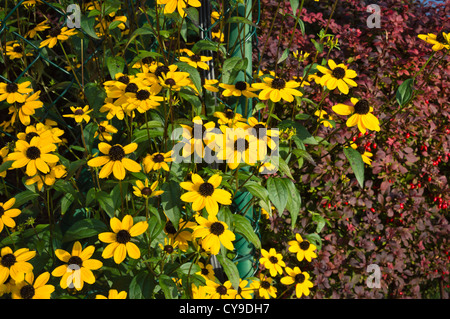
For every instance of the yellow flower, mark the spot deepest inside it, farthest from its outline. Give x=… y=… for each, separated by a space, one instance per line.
x=105 y=131
x=40 y=27
x=300 y=279
x=119 y=240
x=169 y=246
x=206 y=271
x=77 y=267
x=143 y=99
x=114 y=160
x=244 y=291
x=300 y=56
x=195 y=60
x=55 y=34
x=34 y=155
x=213 y=233
x=113 y=294
x=40 y=130
x=33 y=289
x=303 y=248
x=14 y=50
x=361 y=115
x=15 y=264
x=366 y=156
x=197 y=136
x=273 y=261
x=205 y=194
x=265 y=287
x=3 y=158
x=180 y=5
x=439 y=41
x=276 y=89
x=182 y=234
x=80 y=114
x=157 y=161
x=143 y=190
x=220 y=291
x=7 y=213
x=324 y=118
x=229 y=117
x=337 y=76
x=13 y=92
x=174 y=80
x=56 y=172
x=26 y=109
x=238 y=89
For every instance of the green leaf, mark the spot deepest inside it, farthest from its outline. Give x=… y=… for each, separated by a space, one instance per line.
x=230 y=270
x=301 y=132
x=243 y=227
x=257 y=190
x=168 y=287
x=84 y=228
x=357 y=164
x=294 y=6
x=244 y=20
x=188 y=268
x=142 y=286
x=304 y=154
x=87 y=25
x=278 y=193
x=193 y=74
x=204 y=45
x=284 y=168
x=24 y=197
x=115 y=64
x=106 y=202
x=405 y=91
x=283 y=56
x=294 y=202
x=171 y=202
x=66 y=201
x=315 y=239
x=231 y=67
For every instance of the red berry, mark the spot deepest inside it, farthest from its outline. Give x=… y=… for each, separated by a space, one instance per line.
x=402 y=206
x=407 y=135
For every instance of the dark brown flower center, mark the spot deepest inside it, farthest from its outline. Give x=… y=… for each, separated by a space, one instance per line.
x=240 y=85
x=170 y=82
x=304 y=245
x=27 y=292
x=8 y=260
x=170 y=229
x=440 y=38
x=30 y=136
x=78 y=112
x=221 y=290
x=12 y=87
x=206 y=189
x=116 y=153
x=124 y=79
x=33 y=152
x=205 y=271
x=101 y=128
x=131 y=87
x=273 y=259
x=54 y=32
x=158 y=158
x=241 y=145
x=17 y=49
x=196 y=58
x=265 y=284
x=142 y=95
x=278 y=83
x=75 y=260
x=161 y=69
x=260 y=131
x=217 y=228
x=362 y=107
x=146 y=191
x=123 y=236
x=229 y=114
x=168 y=249
x=338 y=73
x=299 y=278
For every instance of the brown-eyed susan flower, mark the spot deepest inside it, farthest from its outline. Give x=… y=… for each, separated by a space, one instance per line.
x=49 y=179
x=3 y=158
x=229 y=117
x=439 y=41
x=142 y=100
x=33 y=289
x=277 y=88
x=265 y=287
x=213 y=233
x=174 y=80
x=209 y=84
x=7 y=213
x=180 y=5
x=26 y=109
x=55 y=34
x=197 y=136
x=205 y=194
x=361 y=115
x=324 y=118
x=144 y=190
x=264 y=135
x=34 y=155
x=38 y=28
x=113 y=294
x=365 y=155
x=169 y=246
x=220 y=291
x=206 y=271
x=272 y=261
x=40 y=130
x=339 y=75
x=77 y=267
x=14 y=50
x=80 y=114
x=105 y=131
x=195 y=60
x=238 y=89
x=300 y=279
x=112 y=110
x=303 y=248
x=15 y=264
x=244 y=290
x=114 y=160
x=156 y=161
x=15 y=92
x=119 y=240
x=182 y=234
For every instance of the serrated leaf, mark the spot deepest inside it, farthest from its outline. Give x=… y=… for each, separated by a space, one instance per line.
x=356 y=163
